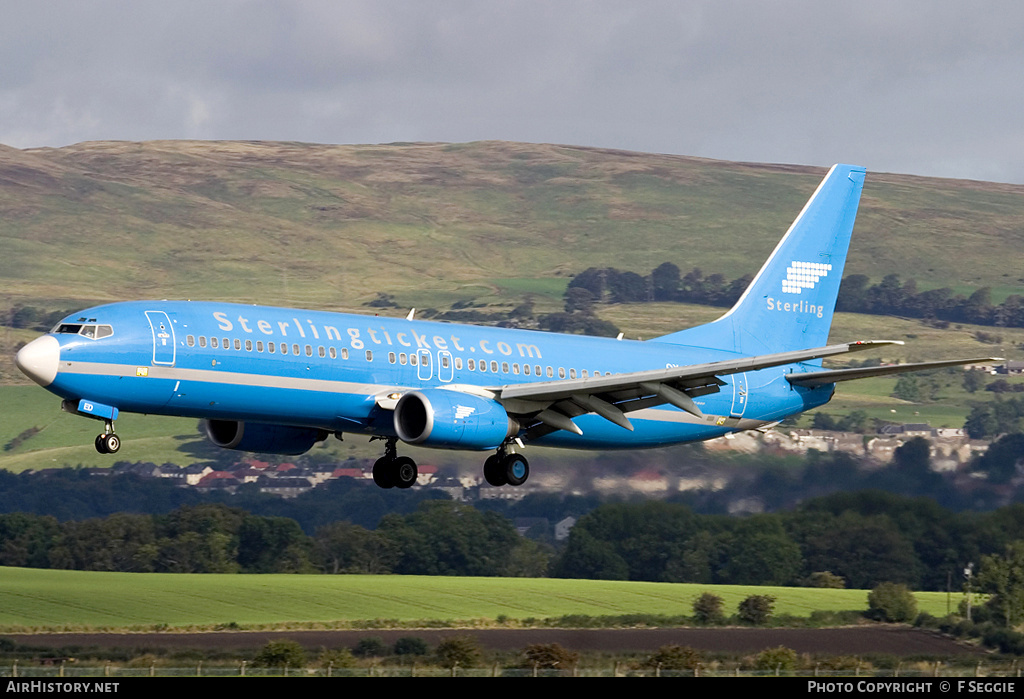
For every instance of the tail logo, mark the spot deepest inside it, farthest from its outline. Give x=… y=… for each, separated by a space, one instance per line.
x=803 y=275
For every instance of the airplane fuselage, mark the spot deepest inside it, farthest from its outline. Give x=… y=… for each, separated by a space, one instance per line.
x=334 y=371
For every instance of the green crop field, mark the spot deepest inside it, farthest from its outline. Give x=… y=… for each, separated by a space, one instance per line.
x=76 y=600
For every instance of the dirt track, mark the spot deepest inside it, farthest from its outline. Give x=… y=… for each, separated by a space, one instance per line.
x=860 y=640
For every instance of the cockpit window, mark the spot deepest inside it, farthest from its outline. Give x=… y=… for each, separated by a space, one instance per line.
x=91 y=331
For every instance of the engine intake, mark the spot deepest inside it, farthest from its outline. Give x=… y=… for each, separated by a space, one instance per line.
x=450 y=419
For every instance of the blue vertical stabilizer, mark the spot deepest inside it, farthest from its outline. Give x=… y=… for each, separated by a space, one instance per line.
x=789 y=304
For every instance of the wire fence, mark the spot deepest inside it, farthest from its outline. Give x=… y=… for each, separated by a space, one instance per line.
x=618 y=670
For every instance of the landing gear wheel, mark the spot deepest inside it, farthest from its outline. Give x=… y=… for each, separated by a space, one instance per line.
x=108 y=443
x=382 y=473
x=517 y=469
x=403 y=472
x=494 y=472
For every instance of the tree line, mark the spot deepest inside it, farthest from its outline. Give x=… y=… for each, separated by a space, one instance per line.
x=857 y=294
x=854 y=539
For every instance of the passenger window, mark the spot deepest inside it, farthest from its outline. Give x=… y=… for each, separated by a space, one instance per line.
x=309 y=351
x=225 y=343
x=551 y=372
x=572 y=373
x=333 y=352
x=458 y=363
x=515 y=368
x=259 y=345
x=369 y=355
x=238 y=344
x=392 y=358
x=403 y=358
x=248 y=345
x=504 y=367
x=561 y=372
x=296 y=351
x=214 y=343
x=526 y=369
x=321 y=351
x=190 y=341
x=494 y=367
x=202 y=340
x=344 y=352
x=272 y=347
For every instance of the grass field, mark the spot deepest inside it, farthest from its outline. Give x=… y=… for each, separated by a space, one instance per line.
x=76 y=600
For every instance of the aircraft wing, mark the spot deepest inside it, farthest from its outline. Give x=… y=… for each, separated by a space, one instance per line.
x=553 y=404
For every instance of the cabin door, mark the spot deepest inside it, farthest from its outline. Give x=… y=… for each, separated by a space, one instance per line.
x=163 y=338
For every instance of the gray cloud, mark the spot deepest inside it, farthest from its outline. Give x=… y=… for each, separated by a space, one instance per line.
x=918 y=86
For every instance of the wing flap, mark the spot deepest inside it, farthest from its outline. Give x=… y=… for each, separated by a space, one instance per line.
x=553 y=404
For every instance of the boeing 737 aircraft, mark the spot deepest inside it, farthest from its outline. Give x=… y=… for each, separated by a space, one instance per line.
x=279 y=380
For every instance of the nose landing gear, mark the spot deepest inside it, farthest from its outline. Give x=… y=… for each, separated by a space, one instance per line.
x=108 y=442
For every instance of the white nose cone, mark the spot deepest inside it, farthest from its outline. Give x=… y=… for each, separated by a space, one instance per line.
x=38 y=359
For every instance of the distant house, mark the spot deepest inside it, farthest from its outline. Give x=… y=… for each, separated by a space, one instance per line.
x=563 y=527
x=284 y=486
x=195 y=472
x=219 y=480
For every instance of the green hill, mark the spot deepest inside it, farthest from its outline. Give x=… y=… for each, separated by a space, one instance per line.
x=331 y=226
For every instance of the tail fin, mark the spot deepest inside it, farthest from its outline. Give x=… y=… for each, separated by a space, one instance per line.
x=789 y=304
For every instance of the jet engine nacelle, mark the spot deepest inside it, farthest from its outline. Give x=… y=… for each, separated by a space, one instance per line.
x=452 y=419
x=262 y=438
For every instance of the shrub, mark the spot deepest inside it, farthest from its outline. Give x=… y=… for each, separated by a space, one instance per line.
x=280 y=654
x=827 y=579
x=371 y=646
x=757 y=609
x=458 y=651
x=340 y=657
x=707 y=609
x=675 y=657
x=550 y=656
x=781 y=658
x=411 y=645
x=891 y=602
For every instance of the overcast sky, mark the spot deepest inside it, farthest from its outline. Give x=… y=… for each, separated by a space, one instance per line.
x=912 y=86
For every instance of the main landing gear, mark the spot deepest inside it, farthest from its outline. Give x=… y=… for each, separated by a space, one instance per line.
x=108 y=442
x=506 y=468
x=392 y=470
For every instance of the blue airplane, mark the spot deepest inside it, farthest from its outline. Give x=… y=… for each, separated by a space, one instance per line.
x=279 y=380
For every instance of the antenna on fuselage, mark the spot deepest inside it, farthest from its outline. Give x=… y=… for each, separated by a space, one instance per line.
x=411 y=314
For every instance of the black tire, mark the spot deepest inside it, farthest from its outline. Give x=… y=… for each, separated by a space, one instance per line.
x=101 y=444
x=404 y=472
x=111 y=443
x=494 y=472
x=517 y=469
x=383 y=473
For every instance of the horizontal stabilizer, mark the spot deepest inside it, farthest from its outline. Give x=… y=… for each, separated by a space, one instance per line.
x=820 y=378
